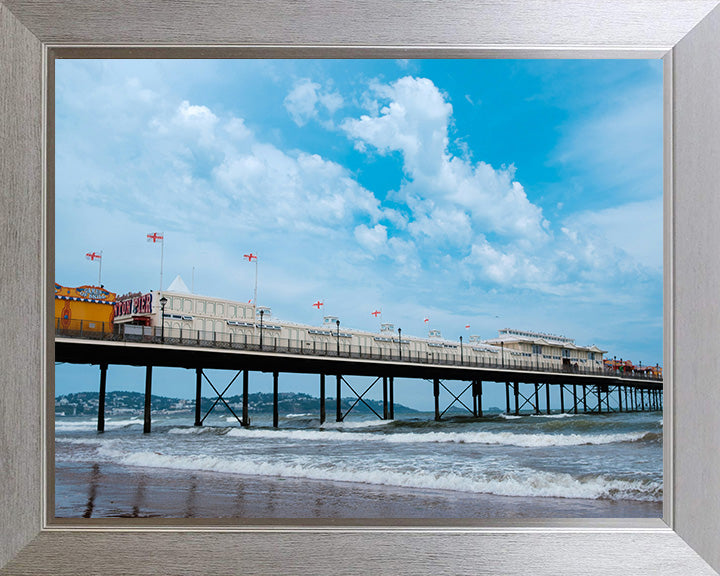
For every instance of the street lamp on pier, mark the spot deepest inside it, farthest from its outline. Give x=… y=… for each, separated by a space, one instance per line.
x=502 y=353
x=461 y=351
x=337 y=324
x=400 y=343
x=163 y=301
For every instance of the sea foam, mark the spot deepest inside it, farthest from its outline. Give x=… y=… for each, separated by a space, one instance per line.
x=491 y=438
x=523 y=482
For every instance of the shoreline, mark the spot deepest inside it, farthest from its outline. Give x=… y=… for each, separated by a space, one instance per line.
x=87 y=490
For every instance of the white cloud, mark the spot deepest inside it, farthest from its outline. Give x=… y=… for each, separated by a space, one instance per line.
x=452 y=202
x=304 y=99
x=372 y=239
x=632 y=230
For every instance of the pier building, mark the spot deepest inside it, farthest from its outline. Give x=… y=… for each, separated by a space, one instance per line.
x=182 y=315
x=540 y=347
x=84 y=308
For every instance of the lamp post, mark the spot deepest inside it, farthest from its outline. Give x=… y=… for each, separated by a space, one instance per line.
x=400 y=343
x=262 y=313
x=337 y=324
x=163 y=301
x=461 y=351
x=502 y=353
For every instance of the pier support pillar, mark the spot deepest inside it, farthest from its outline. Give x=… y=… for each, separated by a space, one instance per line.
x=642 y=399
x=537 y=404
x=148 y=395
x=575 y=398
x=562 y=398
x=245 y=396
x=584 y=393
x=517 y=398
x=547 y=398
x=101 y=398
x=475 y=399
x=392 y=398
x=619 y=398
x=322 y=398
x=436 y=393
x=599 y=399
x=275 y=400
x=385 y=398
x=198 y=396
x=338 y=391
x=480 y=409
x=507 y=399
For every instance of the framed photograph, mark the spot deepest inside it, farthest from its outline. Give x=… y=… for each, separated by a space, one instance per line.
x=683 y=34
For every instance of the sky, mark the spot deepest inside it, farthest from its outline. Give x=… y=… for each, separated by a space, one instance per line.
x=519 y=194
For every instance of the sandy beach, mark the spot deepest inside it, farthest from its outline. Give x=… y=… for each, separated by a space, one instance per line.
x=106 y=491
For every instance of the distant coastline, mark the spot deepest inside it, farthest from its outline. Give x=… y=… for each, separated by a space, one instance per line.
x=124 y=403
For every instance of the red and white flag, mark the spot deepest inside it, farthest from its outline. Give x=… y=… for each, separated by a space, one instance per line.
x=250 y=257
x=92 y=256
x=467 y=326
x=376 y=313
x=155 y=237
x=318 y=304
x=426 y=320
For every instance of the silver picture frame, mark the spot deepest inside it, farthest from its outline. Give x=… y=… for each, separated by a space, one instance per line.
x=683 y=32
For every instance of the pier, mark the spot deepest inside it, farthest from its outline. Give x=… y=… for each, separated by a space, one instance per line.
x=527 y=386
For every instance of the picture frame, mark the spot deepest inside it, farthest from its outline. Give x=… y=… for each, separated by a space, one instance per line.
x=683 y=32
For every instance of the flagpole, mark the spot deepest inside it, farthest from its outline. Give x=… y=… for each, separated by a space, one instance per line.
x=256 y=280
x=162 y=256
x=100 y=272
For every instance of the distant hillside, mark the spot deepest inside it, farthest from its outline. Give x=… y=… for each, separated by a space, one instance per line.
x=86 y=404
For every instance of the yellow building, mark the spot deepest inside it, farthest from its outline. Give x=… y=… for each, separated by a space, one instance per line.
x=83 y=309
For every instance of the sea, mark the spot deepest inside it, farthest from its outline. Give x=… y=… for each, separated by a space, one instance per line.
x=497 y=466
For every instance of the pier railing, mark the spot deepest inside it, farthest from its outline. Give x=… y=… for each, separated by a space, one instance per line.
x=392 y=351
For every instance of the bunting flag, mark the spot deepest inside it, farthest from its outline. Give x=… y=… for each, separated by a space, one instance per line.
x=376 y=313
x=155 y=237
x=467 y=326
x=92 y=256
x=426 y=320
x=318 y=304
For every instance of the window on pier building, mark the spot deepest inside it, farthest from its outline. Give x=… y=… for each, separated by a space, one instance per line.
x=566 y=353
x=536 y=349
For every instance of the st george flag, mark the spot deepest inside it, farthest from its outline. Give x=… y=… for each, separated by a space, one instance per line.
x=250 y=257
x=155 y=237
x=426 y=320
x=467 y=326
x=376 y=313
x=92 y=256
x=318 y=304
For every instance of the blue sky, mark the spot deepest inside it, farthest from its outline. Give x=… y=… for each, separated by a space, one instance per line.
x=494 y=193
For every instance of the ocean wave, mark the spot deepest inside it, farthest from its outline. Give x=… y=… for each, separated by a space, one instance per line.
x=87 y=425
x=524 y=482
x=490 y=438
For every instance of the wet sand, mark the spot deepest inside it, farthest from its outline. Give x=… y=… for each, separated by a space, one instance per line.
x=107 y=491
